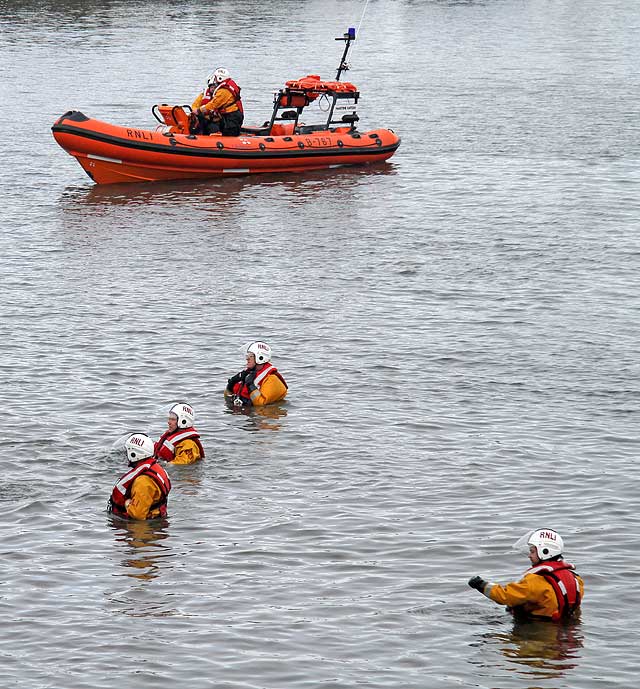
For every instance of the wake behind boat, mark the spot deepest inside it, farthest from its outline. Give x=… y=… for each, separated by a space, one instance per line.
x=111 y=154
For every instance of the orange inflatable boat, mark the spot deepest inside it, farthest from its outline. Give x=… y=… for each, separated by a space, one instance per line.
x=110 y=153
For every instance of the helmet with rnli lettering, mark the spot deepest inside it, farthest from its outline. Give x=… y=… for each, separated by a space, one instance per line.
x=261 y=351
x=217 y=77
x=184 y=414
x=547 y=542
x=138 y=446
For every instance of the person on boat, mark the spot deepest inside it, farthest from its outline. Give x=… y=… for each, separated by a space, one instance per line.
x=180 y=443
x=550 y=589
x=142 y=491
x=260 y=382
x=218 y=107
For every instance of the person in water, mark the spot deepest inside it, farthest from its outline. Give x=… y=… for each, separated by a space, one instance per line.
x=141 y=492
x=218 y=107
x=260 y=382
x=180 y=443
x=550 y=589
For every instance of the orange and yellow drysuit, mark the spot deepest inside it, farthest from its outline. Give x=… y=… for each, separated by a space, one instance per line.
x=181 y=446
x=551 y=589
x=141 y=492
x=219 y=100
x=267 y=387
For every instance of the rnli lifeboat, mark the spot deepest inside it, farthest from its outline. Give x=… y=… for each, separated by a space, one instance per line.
x=110 y=153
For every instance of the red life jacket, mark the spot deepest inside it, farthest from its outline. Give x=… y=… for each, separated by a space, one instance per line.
x=122 y=490
x=242 y=390
x=563 y=580
x=166 y=446
x=232 y=87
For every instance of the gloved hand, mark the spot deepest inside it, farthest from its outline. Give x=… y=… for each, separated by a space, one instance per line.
x=235 y=379
x=248 y=380
x=477 y=583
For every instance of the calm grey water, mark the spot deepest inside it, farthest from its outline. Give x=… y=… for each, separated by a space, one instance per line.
x=459 y=329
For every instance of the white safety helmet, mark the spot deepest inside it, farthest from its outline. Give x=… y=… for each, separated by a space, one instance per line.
x=261 y=351
x=139 y=446
x=184 y=413
x=218 y=76
x=547 y=542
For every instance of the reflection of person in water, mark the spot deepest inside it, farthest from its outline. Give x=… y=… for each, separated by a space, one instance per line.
x=265 y=418
x=145 y=551
x=541 y=647
x=550 y=589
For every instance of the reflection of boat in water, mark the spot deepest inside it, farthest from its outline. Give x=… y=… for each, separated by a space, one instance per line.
x=222 y=191
x=111 y=153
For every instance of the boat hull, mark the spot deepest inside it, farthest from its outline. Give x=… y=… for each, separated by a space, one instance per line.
x=112 y=154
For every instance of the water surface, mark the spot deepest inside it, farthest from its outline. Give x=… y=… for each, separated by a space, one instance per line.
x=458 y=329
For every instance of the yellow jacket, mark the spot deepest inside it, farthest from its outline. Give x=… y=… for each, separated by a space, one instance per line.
x=222 y=99
x=144 y=492
x=187 y=452
x=533 y=592
x=272 y=389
